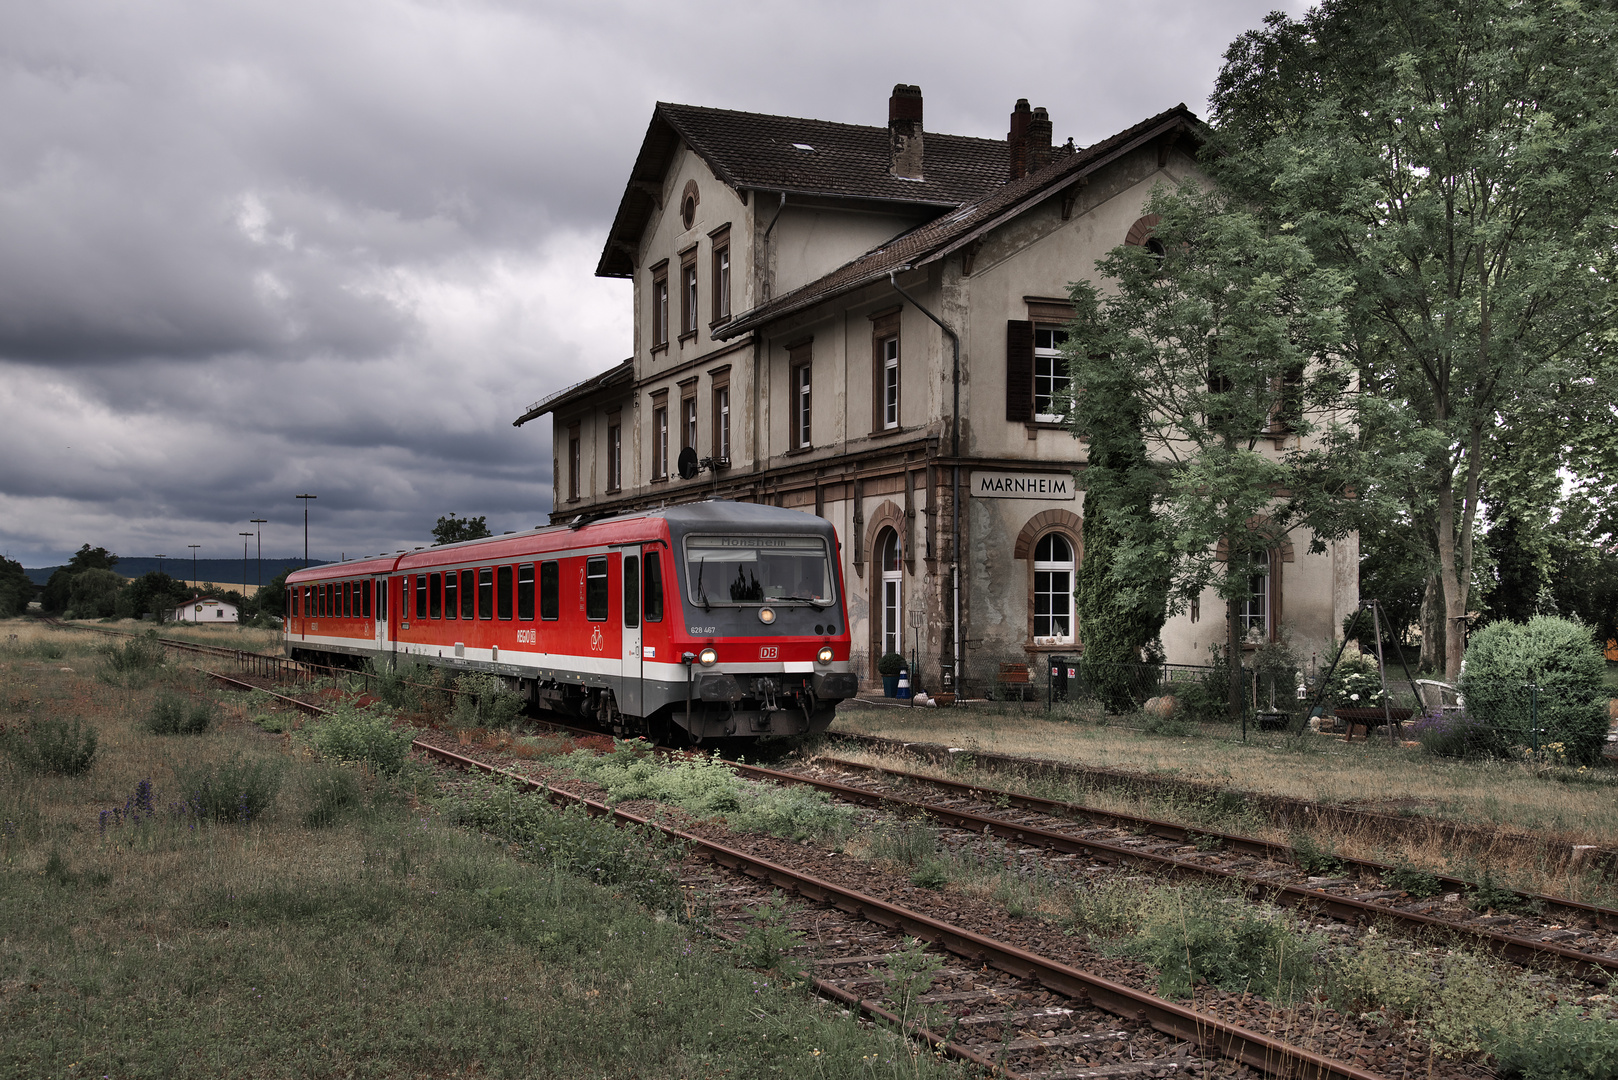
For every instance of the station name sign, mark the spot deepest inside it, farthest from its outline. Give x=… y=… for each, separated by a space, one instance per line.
x=1022 y=485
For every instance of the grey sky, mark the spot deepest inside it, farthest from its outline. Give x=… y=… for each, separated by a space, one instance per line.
x=254 y=249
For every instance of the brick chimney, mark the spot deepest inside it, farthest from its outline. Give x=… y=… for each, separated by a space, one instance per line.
x=1039 y=140
x=1017 y=140
x=904 y=131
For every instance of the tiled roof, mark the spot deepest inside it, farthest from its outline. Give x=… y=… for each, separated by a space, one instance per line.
x=758 y=151
x=945 y=234
x=622 y=372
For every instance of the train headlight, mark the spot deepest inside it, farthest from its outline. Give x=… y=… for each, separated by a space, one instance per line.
x=824 y=655
x=708 y=658
x=766 y=615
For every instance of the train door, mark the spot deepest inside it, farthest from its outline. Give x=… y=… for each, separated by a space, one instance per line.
x=629 y=695
x=383 y=621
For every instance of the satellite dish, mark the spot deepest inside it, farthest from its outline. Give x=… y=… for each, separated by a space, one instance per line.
x=687 y=463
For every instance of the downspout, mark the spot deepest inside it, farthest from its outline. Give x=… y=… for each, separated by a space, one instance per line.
x=955 y=471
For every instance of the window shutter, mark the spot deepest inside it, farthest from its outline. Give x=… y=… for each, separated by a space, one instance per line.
x=1019 y=370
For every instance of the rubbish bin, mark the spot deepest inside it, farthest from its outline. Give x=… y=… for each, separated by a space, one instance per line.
x=1058 y=678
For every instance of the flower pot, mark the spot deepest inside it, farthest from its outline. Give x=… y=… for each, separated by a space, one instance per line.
x=890 y=686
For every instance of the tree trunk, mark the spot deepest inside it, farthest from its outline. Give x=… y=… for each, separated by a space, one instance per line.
x=1432 y=626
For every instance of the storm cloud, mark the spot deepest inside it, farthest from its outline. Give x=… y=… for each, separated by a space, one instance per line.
x=249 y=250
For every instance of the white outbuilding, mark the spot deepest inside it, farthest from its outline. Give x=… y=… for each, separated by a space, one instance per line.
x=204 y=609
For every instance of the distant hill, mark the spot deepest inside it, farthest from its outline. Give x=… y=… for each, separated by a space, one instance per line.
x=222 y=572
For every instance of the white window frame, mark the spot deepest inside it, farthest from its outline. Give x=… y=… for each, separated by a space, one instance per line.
x=1053 y=584
x=1048 y=360
x=615 y=456
x=660 y=432
x=802 y=406
x=892 y=585
x=1255 y=610
x=722 y=406
x=890 y=383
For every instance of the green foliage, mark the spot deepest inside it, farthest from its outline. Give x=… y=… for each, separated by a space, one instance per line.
x=890 y=664
x=708 y=786
x=64 y=747
x=153 y=593
x=93 y=594
x=1418 y=883
x=16 y=589
x=905 y=843
x=911 y=972
x=452 y=529
x=271 y=600
x=393 y=682
x=1120 y=622
x=1558 y=656
x=1355 y=683
x=1455 y=162
x=768 y=940
x=237 y=790
x=135 y=656
x=329 y=792
x=176 y=714
x=1557 y=1044
x=361 y=735
x=638 y=861
x=485 y=701
x=932 y=873
x=1313 y=859
x=1486 y=895
x=1190 y=935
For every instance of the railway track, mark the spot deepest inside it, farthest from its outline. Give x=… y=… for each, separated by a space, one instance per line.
x=1026 y=1014
x=1578 y=937
x=1283 y=811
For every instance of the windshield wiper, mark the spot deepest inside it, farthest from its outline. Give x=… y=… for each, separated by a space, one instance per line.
x=813 y=601
x=702 y=594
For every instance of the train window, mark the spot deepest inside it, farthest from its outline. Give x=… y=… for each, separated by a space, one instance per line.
x=758 y=570
x=421 y=596
x=525 y=592
x=631 y=591
x=549 y=590
x=320 y=601
x=434 y=600
x=451 y=591
x=502 y=590
x=345 y=606
x=654 y=588
x=486 y=593
x=292 y=602
x=595 y=587
x=469 y=597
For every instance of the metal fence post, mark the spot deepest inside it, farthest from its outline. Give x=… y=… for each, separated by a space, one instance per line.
x=1533 y=716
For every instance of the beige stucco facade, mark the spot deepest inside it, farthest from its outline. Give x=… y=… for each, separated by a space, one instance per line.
x=875 y=477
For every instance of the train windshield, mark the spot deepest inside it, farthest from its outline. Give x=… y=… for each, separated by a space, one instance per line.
x=735 y=570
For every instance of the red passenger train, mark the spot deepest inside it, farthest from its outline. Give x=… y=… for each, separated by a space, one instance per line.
x=717 y=618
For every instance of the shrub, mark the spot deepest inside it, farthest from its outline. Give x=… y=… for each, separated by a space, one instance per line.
x=1558 y=1044
x=329 y=792
x=485 y=701
x=1455 y=735
x=172 y=714
x=890 y=664
x=1560 y=658
x=1355 y=683
x=238 y=790
x=393 y=683
x=65 y=747
x=361 y=735
x=136 y=655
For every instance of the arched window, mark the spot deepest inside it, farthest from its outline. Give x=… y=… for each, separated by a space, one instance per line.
x=1053 y=590
x=888 y=557
x=1255 y=612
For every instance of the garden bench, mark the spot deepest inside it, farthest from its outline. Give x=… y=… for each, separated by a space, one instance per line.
x=1014 y=681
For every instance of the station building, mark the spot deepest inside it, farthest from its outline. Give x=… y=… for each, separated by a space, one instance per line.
x=865 y=323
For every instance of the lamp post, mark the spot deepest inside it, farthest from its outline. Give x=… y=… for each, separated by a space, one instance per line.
x=306 y=526
x=160 y=559
x=195 y=584
x=246 y=536
x=259 y=572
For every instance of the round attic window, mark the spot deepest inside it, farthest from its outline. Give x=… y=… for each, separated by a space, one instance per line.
x=688 y=211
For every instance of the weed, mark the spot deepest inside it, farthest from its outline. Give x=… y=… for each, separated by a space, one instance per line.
x=361 y=735
x=1557 y=1044
x=274 y=723
x=908 y=843
x=767 y=942
x=1313 y=859
x=141 y=806
x=137 y=655
x=911 y=973
x=1192 y=935
x=329 y=792
x=235 y=790
x=933 y=873
x=485 y=701
x=1487 y=895
x=172 y=714
x=1418 y=883
x=65 y=747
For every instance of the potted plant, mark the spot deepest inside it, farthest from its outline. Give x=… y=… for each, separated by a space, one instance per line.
x=889 y=667
x=1358 y=697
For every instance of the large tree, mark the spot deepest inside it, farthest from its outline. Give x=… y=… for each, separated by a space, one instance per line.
x=1455 y=158
x=452 y=529
x=1222 y=341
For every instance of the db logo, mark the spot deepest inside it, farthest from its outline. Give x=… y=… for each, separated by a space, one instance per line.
x=767 y=652
x=596 y=639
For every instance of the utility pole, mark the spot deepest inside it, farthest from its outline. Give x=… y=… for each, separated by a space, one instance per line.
x=306 y=526
x=195 y=584
x=246 y=536
x=260 y=571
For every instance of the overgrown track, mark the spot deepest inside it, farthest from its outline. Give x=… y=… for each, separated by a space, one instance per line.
x=1344 y=898
x=1081 y=989
x=1284 y=811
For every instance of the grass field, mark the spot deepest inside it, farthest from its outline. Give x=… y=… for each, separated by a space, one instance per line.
x=1562 y=807
x=345 y=928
